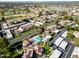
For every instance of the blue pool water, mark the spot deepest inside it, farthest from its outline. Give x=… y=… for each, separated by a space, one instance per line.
x=36 y=39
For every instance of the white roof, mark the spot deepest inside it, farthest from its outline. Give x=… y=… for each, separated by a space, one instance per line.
x=63 y=44
x=56 y=54
x=46 y=38
x=56 y=31
x=37 y=24
x=76 y=34
x=64 y=34
x=8 y=34
x=5 y=25
x=7 y=31
x=31 y=21
x=75 y=52
x=58 y=41
x=20 y=29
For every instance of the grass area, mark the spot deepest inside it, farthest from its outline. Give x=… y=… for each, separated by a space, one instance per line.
x=29 y=31
x=14 y=17
x=76 y=42
x=14 y=54
x=70 y=31
x=46 y=48
x=11 y=13
x=7 y=14
x=20 y=37
x=20 y=49
x=20 y=10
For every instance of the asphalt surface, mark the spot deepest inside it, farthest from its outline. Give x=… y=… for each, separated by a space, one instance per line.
x=69 y=49
x=17 y=25
x=57 y=36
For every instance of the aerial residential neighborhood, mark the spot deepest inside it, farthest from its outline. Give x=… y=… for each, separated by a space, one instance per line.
x=39 y=30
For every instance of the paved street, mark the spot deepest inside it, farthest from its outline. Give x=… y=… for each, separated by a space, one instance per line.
x=17 y=24
x=68 y=54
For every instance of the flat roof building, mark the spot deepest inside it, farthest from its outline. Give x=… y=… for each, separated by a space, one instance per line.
x=28 y=53
x=8 y=34
x=4 y=25
x=58 y=41
x=75 y=53
x=63 y=44
x=56 y=54
x=64 y=34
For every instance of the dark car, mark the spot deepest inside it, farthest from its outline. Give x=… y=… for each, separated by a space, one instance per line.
x=1 y=34
x=26 y=20
x=0 y=27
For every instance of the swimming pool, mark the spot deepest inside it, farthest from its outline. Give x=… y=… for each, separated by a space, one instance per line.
x=37 y=39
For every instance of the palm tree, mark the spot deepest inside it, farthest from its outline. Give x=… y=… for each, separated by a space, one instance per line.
x=14 y=11
x=2 y=14
x=3 y=19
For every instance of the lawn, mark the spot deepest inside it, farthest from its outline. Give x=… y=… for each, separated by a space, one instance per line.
x=24 y=34
x=8 y=13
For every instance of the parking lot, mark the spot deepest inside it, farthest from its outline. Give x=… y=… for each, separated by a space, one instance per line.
x=66 y=53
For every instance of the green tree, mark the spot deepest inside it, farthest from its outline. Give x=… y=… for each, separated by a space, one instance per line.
x=70 y=36
x=46 y=49
x=2 y=13
x=3 y=43
x=3 y=19
x=77 y=22
x=75 y=28
x=68 y=27
x=64 y=13
x=14 y=11
x=6 y=50
x=40 y=13
x=28 y=10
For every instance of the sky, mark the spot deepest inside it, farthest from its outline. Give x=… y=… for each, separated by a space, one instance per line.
x=39 y=0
